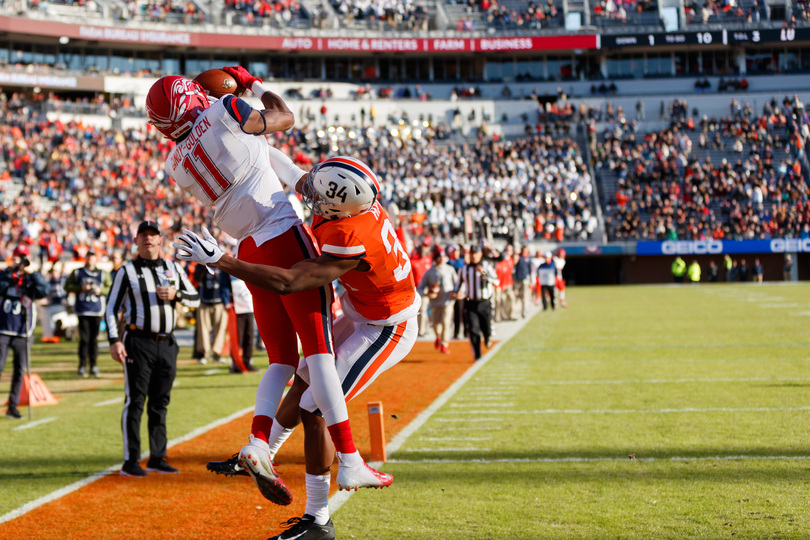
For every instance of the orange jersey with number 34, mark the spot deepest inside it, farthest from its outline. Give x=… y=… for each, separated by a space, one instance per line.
x=387 y=288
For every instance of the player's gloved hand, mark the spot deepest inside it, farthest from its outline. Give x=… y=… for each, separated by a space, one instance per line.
x=242 y=76
x=191 y=247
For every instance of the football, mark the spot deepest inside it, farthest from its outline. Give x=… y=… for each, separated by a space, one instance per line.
x=218 y=83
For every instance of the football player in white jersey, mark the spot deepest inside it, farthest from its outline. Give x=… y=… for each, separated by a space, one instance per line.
x=222 y=158
x=378 y=327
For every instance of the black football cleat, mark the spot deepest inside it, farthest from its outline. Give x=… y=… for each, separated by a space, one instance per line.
x=229 y=467
x=304 y=528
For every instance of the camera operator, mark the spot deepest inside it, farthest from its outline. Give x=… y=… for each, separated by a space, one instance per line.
x=18 y=291
x=91 y=285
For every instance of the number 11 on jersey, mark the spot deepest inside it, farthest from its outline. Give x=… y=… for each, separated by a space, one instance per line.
x=201 y=157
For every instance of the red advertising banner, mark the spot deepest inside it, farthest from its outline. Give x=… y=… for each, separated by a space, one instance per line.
x=170 y=37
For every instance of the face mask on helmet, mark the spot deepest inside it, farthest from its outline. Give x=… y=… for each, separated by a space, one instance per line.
x=340 y=187
x=173 y=104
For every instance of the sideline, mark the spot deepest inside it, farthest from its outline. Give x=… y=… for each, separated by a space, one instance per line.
x=27 y=507
x=505 y=332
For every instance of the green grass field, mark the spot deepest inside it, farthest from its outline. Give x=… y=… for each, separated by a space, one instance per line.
x=639 y=412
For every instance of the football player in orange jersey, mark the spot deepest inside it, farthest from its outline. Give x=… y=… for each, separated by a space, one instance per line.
x=378 y=326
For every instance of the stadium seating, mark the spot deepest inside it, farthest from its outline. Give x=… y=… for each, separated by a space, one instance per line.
x=743 y=176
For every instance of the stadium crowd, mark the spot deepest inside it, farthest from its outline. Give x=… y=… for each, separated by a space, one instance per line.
x=668 y=187
x=395 y=14
x=83 y=187
x=529 y=15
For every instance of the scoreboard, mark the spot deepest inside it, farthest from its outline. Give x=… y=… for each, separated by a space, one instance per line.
x=715 y=38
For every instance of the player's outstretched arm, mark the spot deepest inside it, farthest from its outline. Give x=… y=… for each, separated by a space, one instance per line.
x=304 y=275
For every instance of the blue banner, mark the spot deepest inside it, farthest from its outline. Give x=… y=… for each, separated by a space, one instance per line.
x=721 y=247
x=596 y=249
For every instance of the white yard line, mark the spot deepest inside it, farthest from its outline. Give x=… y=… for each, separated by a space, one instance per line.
x=35 y=423
x=480 y=403
x=600 y=459
x=467 y=420
x=109 y=402
x=628 y=411
x=24 y=509
x=667 y=381
x=467 y=449
x=455 y=438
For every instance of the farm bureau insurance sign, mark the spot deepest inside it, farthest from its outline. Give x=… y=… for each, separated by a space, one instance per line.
x=108 y=33
x=718 y=247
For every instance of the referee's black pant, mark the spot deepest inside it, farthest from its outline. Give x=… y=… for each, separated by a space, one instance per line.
x=18 y=345
x=149 y=372
x=479 y=322
x=88 y=339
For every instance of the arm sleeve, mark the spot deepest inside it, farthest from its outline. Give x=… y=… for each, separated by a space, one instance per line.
x=341 y=243
x=189 y=296
x=118 y=293
x=237 y=109
x=461 y=283
x=287 y=171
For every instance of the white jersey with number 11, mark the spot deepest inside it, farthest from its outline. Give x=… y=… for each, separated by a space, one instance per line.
x=223 y=166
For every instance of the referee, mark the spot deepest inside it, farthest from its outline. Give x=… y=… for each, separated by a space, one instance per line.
x=147 y=289
x=477 y=281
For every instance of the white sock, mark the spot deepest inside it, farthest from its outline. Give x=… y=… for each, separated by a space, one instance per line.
x=350 y=460
x=318 y=497
x=278 y=434
x=326 y=388
x=271 y=388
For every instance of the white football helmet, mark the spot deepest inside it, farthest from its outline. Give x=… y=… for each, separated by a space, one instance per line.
x=340 y=187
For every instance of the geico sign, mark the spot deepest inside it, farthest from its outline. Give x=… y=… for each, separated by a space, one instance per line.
x=790 y=245
x=692 y=247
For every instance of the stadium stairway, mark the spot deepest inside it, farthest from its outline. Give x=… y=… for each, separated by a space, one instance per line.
x=454 y=12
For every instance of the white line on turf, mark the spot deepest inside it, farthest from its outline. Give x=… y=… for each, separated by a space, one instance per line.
x=600 y=459
x=467 y=420
x=35 y=423
x=469 y=428
x=665 y=347
x=668 y=361
x=455 y=438
x=633 y=411
x=468 y=403
x=109 y=402
x=24 y=509
x=469 y=449
x=668 y=381
x=211 y=371
x=509 y=330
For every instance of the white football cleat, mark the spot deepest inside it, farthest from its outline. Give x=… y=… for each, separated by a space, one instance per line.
x=255 y=458
x=361 y=476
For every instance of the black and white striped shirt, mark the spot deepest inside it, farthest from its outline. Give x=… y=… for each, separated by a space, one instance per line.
x=134 y=290
x=477 y=282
